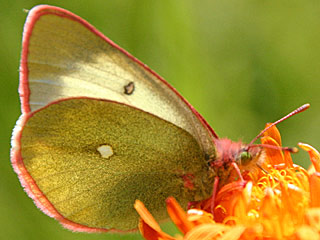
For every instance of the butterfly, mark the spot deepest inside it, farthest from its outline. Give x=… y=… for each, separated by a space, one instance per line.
x=99 y=129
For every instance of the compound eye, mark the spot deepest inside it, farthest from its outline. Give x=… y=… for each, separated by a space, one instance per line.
x=245 y=157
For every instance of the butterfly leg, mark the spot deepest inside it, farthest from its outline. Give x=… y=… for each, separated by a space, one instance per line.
x=236 y=167
x=214 y=194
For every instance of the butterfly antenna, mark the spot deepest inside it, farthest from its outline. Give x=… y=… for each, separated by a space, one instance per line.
x=289 y=149
x=298 y=110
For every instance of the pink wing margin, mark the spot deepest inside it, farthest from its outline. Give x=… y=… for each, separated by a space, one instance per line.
x=17 y=162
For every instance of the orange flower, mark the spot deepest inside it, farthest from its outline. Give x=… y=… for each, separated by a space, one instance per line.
x=279 y=201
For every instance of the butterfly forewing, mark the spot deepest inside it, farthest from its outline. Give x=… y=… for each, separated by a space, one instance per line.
x=64 y=56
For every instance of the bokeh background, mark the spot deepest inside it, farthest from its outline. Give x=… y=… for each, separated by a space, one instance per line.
x=239 y=63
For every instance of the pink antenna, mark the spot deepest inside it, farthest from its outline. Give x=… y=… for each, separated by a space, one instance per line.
x=298 y=110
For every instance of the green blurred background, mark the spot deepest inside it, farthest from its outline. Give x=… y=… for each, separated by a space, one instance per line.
x=239 y=63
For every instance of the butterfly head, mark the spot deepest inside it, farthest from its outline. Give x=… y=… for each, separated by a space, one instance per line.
x=229 y=152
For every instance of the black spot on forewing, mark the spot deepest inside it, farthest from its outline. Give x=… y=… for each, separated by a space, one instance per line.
x=129 y=88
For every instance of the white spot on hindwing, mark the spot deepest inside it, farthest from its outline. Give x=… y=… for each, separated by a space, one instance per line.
x=105 y=151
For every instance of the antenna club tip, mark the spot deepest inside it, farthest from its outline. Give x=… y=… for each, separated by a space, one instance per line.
x=291 y=149
x=294 y=150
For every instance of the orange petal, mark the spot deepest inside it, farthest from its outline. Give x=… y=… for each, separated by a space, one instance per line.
x=234 y=233
x=150 y=234
x=206 y=232
x=274 y=156
x=312 y=218
x=315 y=189
x=288 y=159
x=274 y=133
x=292 y=205
x=146 y=215
x=269 y=215
x=148 y=226
x=243 y=203
x=178 y=215
x=240 y=209
x=313 y=153
x=230 y=189
x=304 y=233
x=199 y=216
x=227 y=199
